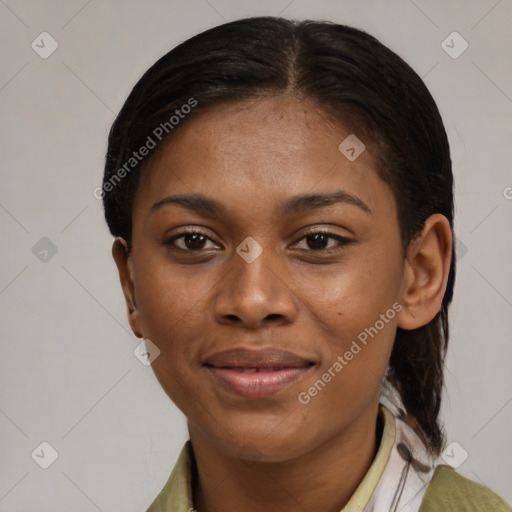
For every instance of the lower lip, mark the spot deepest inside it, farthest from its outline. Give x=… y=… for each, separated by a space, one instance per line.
x=257 y=384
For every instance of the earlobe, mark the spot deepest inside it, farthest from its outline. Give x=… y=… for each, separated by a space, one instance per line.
x=122 y=258
x=426 y=273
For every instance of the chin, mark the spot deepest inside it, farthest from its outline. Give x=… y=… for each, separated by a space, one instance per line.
x=266 y=447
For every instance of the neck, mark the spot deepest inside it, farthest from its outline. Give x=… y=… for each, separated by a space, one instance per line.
x=323 y=478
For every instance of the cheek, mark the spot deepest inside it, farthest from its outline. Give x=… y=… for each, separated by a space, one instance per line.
x=352 y=297
x=170 y=307
x=354 y=315
x=355 y=364
x=166 y=294
x=172 y=316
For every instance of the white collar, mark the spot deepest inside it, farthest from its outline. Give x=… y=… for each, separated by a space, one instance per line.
x=409 y=469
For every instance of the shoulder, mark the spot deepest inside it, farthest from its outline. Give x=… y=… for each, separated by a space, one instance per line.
x=449 y=491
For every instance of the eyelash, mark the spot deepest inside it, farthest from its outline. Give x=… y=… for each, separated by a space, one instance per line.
x=342 y=240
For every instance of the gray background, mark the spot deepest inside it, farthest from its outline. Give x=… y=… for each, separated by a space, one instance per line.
x=68 y=375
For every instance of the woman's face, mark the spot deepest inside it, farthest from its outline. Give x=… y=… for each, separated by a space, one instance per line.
x=243 y=269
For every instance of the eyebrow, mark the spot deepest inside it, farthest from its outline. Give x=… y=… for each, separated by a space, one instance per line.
x=294 y=205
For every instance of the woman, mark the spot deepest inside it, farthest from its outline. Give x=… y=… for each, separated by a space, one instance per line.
x=281 y=197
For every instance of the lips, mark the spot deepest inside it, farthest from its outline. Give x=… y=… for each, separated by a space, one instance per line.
x=257 y=373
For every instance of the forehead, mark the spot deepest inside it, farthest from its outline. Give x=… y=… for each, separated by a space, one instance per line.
x=260 y=151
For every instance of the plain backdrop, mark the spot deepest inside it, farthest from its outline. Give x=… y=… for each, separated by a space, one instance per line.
x=68 y=374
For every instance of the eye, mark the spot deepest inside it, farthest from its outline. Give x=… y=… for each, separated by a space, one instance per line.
x=192 y=241
x=319 y=241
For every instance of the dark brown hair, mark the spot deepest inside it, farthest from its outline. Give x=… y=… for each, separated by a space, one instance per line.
x=356 y=81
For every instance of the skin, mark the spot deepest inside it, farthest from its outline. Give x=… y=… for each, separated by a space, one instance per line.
x=251 y=157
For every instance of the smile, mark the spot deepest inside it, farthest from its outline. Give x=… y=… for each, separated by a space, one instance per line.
x=258 y=373
x=257 y=382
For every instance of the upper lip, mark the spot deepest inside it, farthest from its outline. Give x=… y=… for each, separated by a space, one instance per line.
x=260 y=358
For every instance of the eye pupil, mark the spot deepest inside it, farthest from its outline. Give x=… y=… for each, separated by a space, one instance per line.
x=319 y=241
x=197 y=240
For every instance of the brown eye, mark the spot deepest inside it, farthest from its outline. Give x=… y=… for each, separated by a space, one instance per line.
x=319 y=241
x=189 y=241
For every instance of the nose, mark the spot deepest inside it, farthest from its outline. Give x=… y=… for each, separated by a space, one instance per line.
x=254 y=294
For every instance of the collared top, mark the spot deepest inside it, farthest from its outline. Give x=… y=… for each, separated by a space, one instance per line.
x=176 y=496
x=403 y=477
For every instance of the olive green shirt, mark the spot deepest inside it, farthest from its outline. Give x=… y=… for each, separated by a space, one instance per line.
x=447 y=491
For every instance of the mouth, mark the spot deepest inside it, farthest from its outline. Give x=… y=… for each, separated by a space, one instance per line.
x=257 y=374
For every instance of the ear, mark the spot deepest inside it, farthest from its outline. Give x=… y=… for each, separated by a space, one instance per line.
x=123 y=259
x=426 y=273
